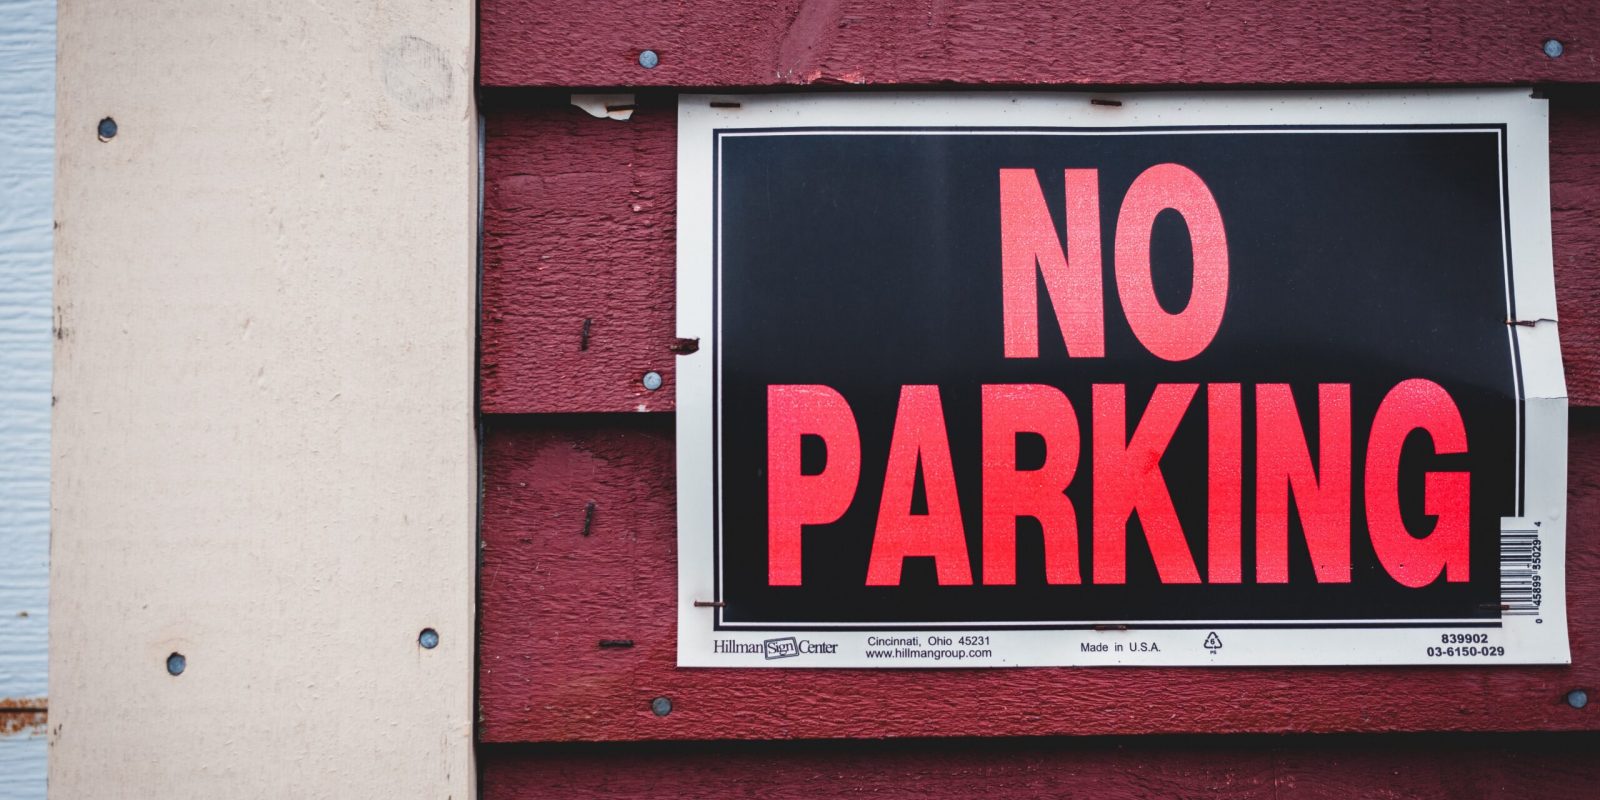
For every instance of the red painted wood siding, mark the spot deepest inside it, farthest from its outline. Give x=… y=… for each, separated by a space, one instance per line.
x=549 y=594
x=579 y=225
x=1575 y=225
x=733 y=43
x=1282 y=768
x=578 y=305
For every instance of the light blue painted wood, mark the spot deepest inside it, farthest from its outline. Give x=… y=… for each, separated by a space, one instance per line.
x=22 y=765
x=27 y=109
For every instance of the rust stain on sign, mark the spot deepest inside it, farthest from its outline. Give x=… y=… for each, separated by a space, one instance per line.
x=22 y=715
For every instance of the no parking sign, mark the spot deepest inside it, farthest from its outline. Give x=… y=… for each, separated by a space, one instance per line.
x=1205 y=379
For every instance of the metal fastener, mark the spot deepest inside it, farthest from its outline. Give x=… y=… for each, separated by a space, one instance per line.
x=176 y=664
x=107 y=129
x=648 y=59
x=1554 y=48
x=429 y=638
x=652 y=381
x=661 y=706
x=1577 y=698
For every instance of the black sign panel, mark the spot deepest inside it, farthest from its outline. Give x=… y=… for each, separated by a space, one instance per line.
x=868 y=263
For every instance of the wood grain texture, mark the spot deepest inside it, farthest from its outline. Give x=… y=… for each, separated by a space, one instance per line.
x=578 y=226
x=1575 y=223
x=22 y=764
x=752 y=43
x=27 y=130
x=1284 y=768
x=549 y=593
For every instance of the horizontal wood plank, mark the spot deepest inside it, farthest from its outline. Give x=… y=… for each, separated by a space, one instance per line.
x=1285 y=768
x=578 y=261
x=1575 y=226
x=579 y=546
x=579 y=256
x=756 y=43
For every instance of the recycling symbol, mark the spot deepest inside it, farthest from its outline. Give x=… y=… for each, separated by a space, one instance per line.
x=1213 y=643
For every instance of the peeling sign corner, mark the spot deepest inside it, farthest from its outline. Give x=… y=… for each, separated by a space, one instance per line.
x=603 y=106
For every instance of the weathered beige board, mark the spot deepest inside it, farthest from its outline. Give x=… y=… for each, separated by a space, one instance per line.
x=263 y=451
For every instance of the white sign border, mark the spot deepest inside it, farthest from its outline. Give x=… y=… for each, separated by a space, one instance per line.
x=1519 y=639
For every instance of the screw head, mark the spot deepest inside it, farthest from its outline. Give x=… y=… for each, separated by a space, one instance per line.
x=1554 y=48
x=652 y=381
x=429 y=638
x=661 y=706
x=1577 y=698
x=648 y=59
x=107 y=129
x=176 y=664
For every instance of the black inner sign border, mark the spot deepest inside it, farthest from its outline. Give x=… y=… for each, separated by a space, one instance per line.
x=716 y=370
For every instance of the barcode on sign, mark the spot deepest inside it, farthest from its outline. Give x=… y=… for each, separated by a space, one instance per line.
x=1520 y=560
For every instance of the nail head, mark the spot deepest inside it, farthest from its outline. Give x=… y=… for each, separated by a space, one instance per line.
x=1554 y=48
x=1577 y=698
x=648 y=59
x=107 y=129
x=429 y=638
x=652 y=381
x=661 y=706
x=176 y=664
